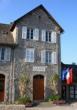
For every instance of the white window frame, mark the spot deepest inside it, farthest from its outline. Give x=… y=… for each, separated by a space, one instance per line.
x=48 y=33
x=29 y=38
x=48 y=58
x=30 y=54
x=7 y=54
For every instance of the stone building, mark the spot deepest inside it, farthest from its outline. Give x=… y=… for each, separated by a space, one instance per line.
x=29 y=45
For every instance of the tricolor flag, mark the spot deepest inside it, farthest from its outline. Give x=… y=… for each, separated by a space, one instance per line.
x=63 y=75
x=69 y=76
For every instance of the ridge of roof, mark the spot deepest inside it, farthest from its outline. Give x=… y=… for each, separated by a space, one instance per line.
x=42 y=7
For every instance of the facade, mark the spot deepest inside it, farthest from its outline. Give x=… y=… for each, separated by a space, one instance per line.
x=69 y=92
x=29 y=45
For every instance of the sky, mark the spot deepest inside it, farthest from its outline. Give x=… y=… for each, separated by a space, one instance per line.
x=64 y=12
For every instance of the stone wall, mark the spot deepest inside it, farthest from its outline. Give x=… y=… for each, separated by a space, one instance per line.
x=21 y=66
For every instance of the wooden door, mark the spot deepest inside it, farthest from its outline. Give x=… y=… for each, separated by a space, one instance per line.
x=2 y=83
x=38 y=87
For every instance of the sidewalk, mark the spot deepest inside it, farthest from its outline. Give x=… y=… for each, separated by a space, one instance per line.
x=72 y=106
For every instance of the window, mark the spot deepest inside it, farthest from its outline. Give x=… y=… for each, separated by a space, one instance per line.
x=48 y=57
x=2 y=53
x=5 y=54
x=30 y=55
x=48 y=36
x=29 y=33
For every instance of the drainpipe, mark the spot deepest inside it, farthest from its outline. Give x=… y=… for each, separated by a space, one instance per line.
x=13 y=66
x=11 y=88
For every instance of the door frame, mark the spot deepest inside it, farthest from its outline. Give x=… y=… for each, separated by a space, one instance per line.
x=44 y=81
x=5 y=84
x=2 y=80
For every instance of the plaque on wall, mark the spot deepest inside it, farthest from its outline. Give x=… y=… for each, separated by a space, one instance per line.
x=39 y=68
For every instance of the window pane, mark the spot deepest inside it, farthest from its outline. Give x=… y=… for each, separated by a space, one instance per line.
x=71 y=95
x=49 y=36
x=48 y=57
x=30 y=55
x=76 y=96
x=31 y=33
x=2 y=53
x=27 y=33
x=46 y=36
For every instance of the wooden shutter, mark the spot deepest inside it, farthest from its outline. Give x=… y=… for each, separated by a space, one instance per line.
x=54 y=58
x=7 y=54
x=24 y=32
x=43 y=58
x=36 y=34
x=53 y=37
x=43 y=35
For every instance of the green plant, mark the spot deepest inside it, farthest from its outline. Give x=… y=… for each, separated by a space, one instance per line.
x=23 y=100
x=23 y=84
x=54 y=83
x=53 y=97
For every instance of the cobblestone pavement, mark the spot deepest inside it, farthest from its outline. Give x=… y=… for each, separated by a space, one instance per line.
x=22 y=107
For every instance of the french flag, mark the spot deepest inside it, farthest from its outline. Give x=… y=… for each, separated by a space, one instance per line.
x=69 y=76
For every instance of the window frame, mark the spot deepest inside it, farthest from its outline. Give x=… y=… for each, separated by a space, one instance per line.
x=48 y=36
x=4 y=53
x=48 y=57
x=29 y=34
x=30 y=55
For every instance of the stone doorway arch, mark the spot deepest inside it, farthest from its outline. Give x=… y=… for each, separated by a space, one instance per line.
x=2 y=87
x=38 y=87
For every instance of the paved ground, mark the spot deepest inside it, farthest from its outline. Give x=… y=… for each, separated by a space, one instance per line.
x=44 y=106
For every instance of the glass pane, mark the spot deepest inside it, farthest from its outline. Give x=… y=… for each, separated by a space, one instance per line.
x=75 y=87
x=3 y=53
x=71 y=95
x=71 y=91
x=49 y=36
x=46 y=36
x=71 y=88
x=28 y=33
x=75 y=96
x=75 y=91
x=31 y=33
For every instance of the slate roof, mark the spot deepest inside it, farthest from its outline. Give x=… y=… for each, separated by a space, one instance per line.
x=39 y=7
x=6 y=35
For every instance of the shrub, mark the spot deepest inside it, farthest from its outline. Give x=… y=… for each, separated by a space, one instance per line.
x=53 y=97
x=54 y=83
x=23 y=100
x=23 y=84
